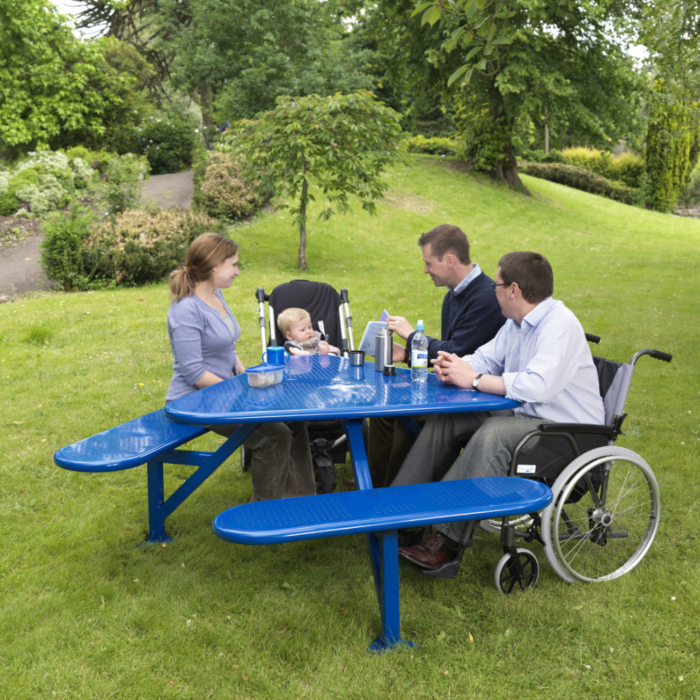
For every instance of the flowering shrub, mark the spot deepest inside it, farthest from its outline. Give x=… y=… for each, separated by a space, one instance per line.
x=140 y=246
x=45 y=197
x=43 y=182
x=222 y=191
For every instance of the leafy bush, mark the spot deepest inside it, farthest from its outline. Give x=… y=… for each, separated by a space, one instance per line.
x=690 y=194
x=63 y=255
x=580 y=179
x=222 y=191
x=9 y=184
x=628 y=168
x=539 y=156
x=168 y=141
x=121 y=186
x=140 y=246
x=436 y=145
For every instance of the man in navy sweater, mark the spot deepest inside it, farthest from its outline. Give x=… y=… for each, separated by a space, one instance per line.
x=471 y=317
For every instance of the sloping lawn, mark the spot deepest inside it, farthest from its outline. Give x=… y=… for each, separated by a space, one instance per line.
x=87 y=613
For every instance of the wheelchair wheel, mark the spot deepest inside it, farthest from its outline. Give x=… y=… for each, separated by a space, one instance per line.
x=507 y=578
x=603 y=516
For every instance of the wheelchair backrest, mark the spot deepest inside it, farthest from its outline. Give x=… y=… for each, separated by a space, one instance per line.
x=614 y=379
x=318 y=298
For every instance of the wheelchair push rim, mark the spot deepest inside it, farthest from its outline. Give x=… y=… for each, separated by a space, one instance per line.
x=603 y=517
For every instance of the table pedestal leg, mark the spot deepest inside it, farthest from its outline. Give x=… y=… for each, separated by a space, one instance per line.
x=384 y=552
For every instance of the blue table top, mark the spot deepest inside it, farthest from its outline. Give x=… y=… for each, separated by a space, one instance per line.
x=322 y=387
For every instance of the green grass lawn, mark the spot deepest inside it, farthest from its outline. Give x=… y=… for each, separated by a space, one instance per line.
x=87 y=613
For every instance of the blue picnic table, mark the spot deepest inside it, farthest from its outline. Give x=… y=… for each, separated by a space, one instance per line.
x=326 y=387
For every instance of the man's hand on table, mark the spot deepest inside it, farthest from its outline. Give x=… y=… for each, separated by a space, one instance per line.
x=400 y=326
x=453 y=369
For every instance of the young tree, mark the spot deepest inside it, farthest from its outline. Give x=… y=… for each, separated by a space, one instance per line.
x=340 y=144
x=513 y=59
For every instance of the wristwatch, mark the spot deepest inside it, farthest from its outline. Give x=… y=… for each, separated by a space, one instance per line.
x=475 y=382
x=407 y=355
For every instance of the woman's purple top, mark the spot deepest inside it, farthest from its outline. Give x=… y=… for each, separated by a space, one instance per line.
x=201 y=342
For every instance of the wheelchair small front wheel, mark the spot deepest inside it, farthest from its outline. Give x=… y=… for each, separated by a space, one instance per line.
x=604 y=515
x=516 y=572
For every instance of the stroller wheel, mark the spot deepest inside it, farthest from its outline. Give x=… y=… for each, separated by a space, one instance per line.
x=516 y=571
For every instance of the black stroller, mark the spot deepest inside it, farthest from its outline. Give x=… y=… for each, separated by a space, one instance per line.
x=330 y=315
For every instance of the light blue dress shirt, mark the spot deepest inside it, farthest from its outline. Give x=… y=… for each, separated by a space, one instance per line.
x=546 y=363
x=476 y=271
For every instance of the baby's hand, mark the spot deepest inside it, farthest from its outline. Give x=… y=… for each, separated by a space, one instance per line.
x=323 y=348
x=297 y=351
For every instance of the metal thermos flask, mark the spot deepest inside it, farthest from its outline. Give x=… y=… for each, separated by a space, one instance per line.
x=383 y=350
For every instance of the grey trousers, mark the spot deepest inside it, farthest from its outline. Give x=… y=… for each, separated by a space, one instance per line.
x=281 y=463
x=437 y=454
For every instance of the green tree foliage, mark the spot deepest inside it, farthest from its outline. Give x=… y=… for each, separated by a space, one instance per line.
x=669 y=29
x=673 y=147
x=514 y=61
x=244 y=55
x=236 y=58
x=340 y=144
x=55 y=89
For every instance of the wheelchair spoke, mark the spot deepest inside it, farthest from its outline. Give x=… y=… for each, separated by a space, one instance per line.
x=602 y=533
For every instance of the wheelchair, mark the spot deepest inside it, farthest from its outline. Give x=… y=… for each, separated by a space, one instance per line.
x=606 y=504
x=330 y=314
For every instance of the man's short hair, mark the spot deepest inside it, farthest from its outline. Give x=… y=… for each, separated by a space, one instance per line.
x=531 y=271
x=289 y=317
x=445 y=239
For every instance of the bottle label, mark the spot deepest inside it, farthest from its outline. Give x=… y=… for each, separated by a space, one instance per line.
x=419 y=358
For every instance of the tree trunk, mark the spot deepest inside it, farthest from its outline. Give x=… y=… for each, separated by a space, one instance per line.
x=302 y=224
x=507 y=171
x=205 y=100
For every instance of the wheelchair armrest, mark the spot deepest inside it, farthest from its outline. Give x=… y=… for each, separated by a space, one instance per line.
x=590 y=428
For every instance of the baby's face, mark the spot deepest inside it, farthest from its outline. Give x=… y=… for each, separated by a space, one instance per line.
x=301 y=331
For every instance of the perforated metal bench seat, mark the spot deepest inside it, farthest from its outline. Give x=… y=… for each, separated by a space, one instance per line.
x=378 y=510
x=152 y=440
x=128 y=445
x=379 y=513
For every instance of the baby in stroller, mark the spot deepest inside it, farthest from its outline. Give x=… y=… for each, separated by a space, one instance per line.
x=300 y=338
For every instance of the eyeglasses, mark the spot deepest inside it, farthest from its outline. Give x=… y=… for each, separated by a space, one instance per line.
x=500 y=284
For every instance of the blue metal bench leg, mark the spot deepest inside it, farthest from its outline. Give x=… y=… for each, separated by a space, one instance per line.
x=387 y=582
x=156 y=498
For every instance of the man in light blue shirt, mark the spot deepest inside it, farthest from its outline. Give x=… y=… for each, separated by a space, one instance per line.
x=540 y=357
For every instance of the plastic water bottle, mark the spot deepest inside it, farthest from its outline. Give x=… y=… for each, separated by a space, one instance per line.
x=419 y=355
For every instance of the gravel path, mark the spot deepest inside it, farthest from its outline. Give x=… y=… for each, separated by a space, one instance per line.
x=20 y=265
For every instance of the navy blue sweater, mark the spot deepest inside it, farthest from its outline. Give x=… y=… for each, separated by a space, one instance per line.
x=469 y=319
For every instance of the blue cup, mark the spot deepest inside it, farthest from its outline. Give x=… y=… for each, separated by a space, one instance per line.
x=275 y=355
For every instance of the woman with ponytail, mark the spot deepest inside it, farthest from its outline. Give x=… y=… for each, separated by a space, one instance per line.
x=203 y=335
